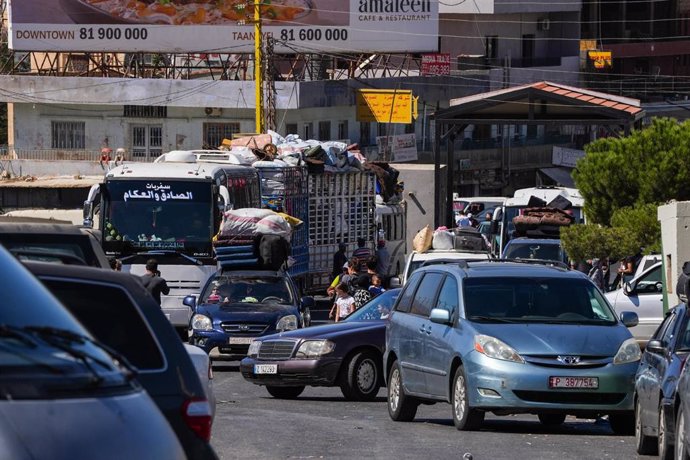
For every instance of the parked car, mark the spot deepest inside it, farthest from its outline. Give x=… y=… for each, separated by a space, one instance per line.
x=535 y=248
x=655 y=384
x=235 y=307
x=644 y=295
x=117 y=309
x=64 y=395
x=42 y=239
x=509 y=337
x=347 y=354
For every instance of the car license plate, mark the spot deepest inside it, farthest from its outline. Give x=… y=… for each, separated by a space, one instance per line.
x=265 y=368
x=241 y=340
x=574 y=382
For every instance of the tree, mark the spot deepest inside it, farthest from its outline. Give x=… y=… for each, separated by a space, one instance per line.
x=641 y=222
x=651 y=165
x=590 y=241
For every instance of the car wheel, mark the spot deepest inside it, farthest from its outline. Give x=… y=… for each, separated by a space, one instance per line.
x=401 y=408
x=464 y=417
x=644 y=444
x=623 y=424
x=681 y=450
x=551 y=419
x=284 y=392
x=664 y=449
x=361 y=378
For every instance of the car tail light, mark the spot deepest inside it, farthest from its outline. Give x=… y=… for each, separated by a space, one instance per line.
x=197 y=415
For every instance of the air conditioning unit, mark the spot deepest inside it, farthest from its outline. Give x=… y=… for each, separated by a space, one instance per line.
x=544 y=24
x=213 y=111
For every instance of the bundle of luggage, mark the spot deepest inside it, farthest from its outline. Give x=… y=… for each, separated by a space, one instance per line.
x=270 y=252
x=541 y=222
x=457 y=239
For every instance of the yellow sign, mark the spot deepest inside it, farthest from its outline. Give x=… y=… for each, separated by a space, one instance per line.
x=600 y=59
x=386 y=106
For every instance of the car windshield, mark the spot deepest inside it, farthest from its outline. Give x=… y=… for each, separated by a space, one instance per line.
x=530 y=250
x=248 y=289
x=376 y=309
x=535 y=300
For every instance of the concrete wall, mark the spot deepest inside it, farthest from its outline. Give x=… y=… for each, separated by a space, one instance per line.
x=419 y=197
x=675 y=244
x=40 y=168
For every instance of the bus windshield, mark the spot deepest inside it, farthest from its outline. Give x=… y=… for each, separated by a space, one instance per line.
x=144 y=215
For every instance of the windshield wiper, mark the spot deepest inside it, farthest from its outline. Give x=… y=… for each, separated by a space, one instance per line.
x=491 y=318
x=194 y=260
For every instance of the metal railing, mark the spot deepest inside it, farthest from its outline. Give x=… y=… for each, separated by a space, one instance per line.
x=10 y=153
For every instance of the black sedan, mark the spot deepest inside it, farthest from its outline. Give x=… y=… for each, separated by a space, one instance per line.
x=347 y=354
x=656 y=384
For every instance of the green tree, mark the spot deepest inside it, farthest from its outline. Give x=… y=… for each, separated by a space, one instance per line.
x=641 y=222
x=651 y=165
x=590 y=241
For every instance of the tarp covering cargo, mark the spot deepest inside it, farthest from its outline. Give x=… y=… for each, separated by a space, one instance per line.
x=243 y=224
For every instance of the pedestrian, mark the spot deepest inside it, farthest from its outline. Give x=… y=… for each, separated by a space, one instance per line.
x=153 y=282
x=376 y=287
x=362 y=294
x=463 y=219
x=596 y=273
x=115 y=264
x=626 y=270
x=383 y=258
x=344 y=303
x=339 y=259
x=362 y=253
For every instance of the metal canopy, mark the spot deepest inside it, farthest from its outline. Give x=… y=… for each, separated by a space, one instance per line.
x=539 y=103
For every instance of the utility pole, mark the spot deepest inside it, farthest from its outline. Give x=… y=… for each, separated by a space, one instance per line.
x=270 y=84
x=258 y=69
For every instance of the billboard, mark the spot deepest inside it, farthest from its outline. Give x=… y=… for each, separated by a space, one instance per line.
x=436 y=64
x=223 y=26
x=386 y=106
x=397 y=149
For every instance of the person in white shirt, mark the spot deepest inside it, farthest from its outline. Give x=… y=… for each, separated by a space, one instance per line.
x=344 y=303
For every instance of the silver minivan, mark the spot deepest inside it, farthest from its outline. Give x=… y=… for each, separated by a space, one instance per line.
x=64 y=396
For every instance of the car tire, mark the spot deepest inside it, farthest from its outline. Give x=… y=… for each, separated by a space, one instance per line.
x=361 y=378
x=664 y=449
x=623 y=423
x=284 y=392
x=644 y=445
x=464 y=417
x=401 y=408
x=183 y=333
x=551 y=419
x=680 y=448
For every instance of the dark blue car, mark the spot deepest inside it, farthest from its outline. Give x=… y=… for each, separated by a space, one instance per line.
x=235 y=307
x=656 y=384
x=347 y=354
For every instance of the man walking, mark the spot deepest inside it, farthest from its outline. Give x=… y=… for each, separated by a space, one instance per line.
x=339 y=259
x=383 y=259
x=362 y=253
x=153 y=282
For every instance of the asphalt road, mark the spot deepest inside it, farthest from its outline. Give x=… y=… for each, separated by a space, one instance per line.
x=250 y=424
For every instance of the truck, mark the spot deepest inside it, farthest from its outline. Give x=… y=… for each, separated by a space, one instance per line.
x=502 y=227
x=172 y=209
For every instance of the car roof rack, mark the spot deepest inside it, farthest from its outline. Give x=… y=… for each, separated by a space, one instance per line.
x=43 y=256
x=460 y=262
x=552 y=263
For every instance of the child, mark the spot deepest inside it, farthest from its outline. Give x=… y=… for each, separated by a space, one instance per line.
x=376 y=288
x=214 y=297
x=344 y=303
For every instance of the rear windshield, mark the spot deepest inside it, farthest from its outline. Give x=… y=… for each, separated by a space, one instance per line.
x=44 y=248
x=109 y=313
x=543 y=251
x=541 y=300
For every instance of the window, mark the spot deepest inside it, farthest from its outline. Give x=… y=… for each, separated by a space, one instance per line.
x=125 y=329
x=426 y=294
x=145 y=111
x=291 y=128
x=491 y=50
x=214 y=133
x=324 y=130
x=68 y=134
x=343 y=130
x=407 y=295
x=448 y=297
x=409 y=128
x=650 y=283
x=382 y=129
x=308 y=131
x=364 y=133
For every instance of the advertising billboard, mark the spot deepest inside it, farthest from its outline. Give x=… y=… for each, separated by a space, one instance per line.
x=386 y=106
x=436 y=64
x=397 y=149
x=223 y=26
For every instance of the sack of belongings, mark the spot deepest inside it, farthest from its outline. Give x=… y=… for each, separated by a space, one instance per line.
x=423 y=239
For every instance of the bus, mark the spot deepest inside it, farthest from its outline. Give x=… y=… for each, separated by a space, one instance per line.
x=391 y=227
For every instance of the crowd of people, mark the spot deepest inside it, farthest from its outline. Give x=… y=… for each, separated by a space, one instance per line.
x=358 y=279
x=608 y=275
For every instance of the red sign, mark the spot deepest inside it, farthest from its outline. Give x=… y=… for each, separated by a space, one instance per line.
x=436 y=64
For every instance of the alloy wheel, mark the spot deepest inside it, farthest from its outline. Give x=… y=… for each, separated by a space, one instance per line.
x=366 y=375
x=394 y=390
x=460 y=398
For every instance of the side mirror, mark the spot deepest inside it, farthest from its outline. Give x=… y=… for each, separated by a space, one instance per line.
x=629 y=319
x=225 y=195
x=190 y=301
x=307 y=302
x=394 y=282
x=628 y=288
x=656 y=346
x=440 y=316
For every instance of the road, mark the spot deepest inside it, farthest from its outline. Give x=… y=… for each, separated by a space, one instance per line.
x=250 y=424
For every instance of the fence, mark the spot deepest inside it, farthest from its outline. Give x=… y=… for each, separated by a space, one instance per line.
x=10 y=153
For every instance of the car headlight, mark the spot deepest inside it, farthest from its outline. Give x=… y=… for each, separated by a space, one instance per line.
x=201 y=323
x=314 y=349
x=287 y=323
x=254 y=348
x=494 y=348
x=629 y=352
